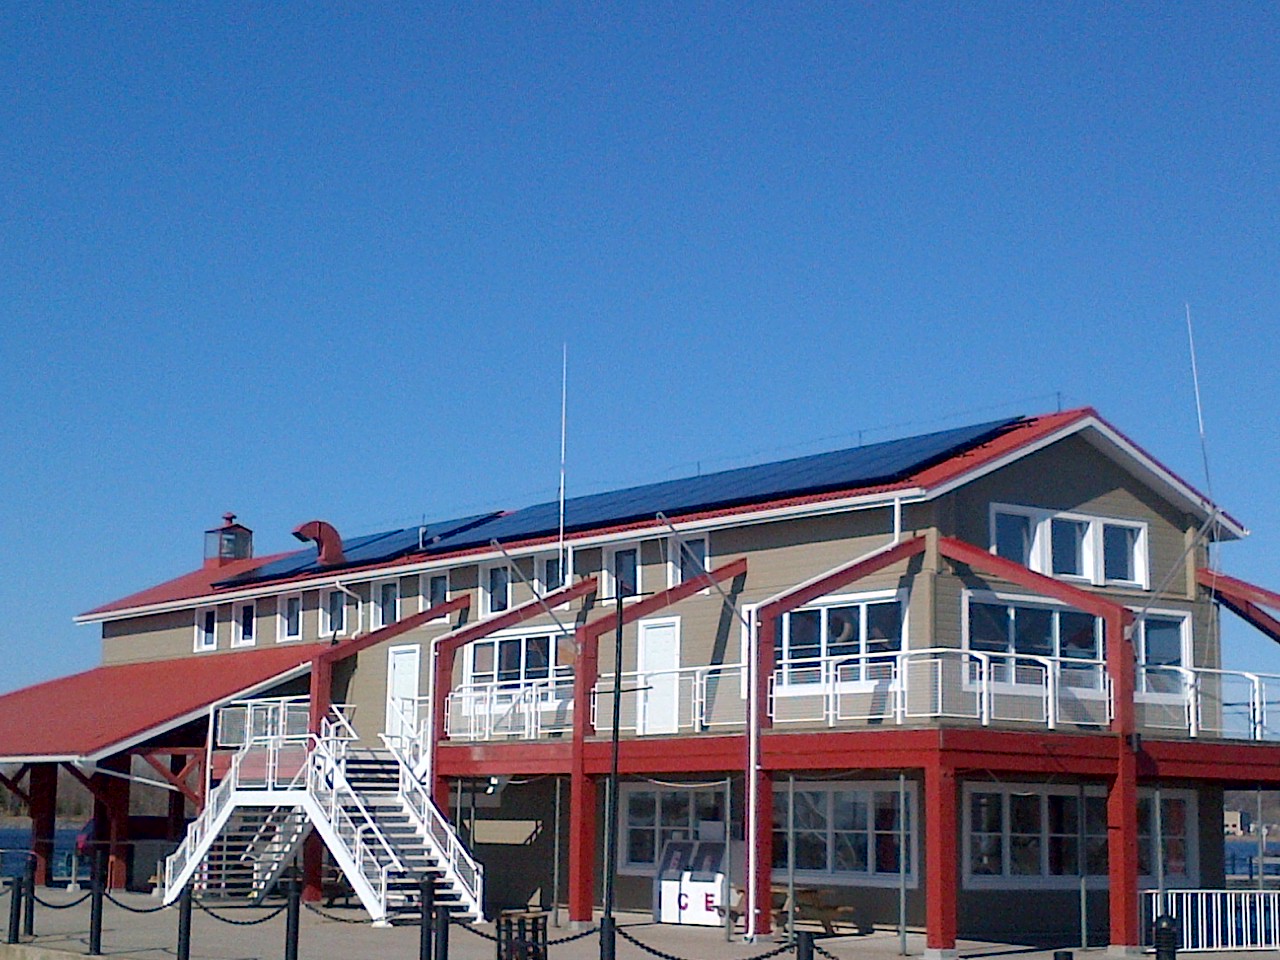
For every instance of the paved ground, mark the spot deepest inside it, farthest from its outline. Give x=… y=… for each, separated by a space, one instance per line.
x=153 y=936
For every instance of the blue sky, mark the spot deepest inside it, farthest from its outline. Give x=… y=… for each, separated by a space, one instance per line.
x=319 y=261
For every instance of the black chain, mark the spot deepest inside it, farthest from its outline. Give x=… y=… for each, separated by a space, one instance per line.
x=471 y=928
x=574 y=936
x=329 y=916
x=126 y=907
x=62 y=906
x=242 y=923
x=785 y=948
x=823 y=953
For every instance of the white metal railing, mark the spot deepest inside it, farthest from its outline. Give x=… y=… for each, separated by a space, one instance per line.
x=243 y=720
x=460 y=869
x=908 y=686
x=502 y=709
x=1217 y=919
x=688 y=699
x=1208 y=702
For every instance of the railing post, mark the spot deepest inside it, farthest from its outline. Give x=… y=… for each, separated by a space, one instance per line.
x=15 y=909
x=1257 y=709
x=1193 y=704
x=804 y=945
x=95 y=901
x=184 y=924
x=293 y=917
x=427 y=904
x=1053 y=680
x=29 y=902
x=442 y=933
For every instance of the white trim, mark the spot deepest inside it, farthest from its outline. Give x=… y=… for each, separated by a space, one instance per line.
x=237 y=624
x=608 y=581
x=377 y=617
x=282 y=618
x=1094 y=552
x=486 y=599
x=326 y=619
x=199 y=644
x=424 y=591
x=671 y=547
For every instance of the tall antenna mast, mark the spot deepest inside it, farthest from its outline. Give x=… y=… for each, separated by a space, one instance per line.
x=564 y=393
x=1195 y=381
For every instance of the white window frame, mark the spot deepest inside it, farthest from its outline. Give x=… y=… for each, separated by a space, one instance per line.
x=1047 y=881
x=675 y=555
x=237 y=624
x=203 y=640
x=870 y=878
x=326 y=619
x=540 y=572
x=561 y=673
x=999 y=597
x=375 y=595
x=626 y=790
x=282 y=618
x=486 y=600
x=1094 y=560
x=424 y=590
x=785 y=686
x=1140 y=650
x=610 y=583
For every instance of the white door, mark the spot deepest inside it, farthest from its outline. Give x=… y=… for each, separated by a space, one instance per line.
x=660 y=692
x=402 y=691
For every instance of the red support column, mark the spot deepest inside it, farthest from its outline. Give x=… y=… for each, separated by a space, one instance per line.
x=762 y=841
x=111 y=817
x=941 y=832
x=42 y=785
x=583 y=812
x=312 y=868
x=1122 y=849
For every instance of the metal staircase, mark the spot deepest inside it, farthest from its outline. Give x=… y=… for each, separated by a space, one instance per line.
x=376 y=818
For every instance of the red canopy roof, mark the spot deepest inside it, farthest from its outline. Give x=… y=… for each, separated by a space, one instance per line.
x=91 y=714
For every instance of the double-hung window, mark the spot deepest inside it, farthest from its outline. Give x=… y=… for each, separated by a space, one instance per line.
x=1019 y=631
x=850 y=832
x=206 y=629
x=386 y=602
x=623 y=570
x=244 y=622
x=333 y=613
x=516 y=661
x=551 y=572
x=1097 y=550
x=843 y=637
x=289 y=618
x=688 y=558
x=497 y=588
x=1162 y=643
x=435 y=590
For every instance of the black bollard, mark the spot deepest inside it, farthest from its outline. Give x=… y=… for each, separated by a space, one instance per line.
x=184 y=924
x=293 y=917
x=804 y=945
x=29 y=904
x=1165 y=938
x=15 y=909
x=427 y=902
x=442 y=933
x=608 y=939
x=98 y=886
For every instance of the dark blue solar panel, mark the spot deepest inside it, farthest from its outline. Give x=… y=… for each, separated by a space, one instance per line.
x=841 y=469
x=371 y=548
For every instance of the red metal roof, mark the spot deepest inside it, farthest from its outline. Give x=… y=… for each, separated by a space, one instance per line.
x=197 y=583
x=86 y=714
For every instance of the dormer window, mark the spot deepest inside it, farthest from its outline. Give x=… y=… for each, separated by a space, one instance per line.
x=1098 y=550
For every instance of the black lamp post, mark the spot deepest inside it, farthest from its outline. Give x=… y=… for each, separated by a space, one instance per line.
x=608 y=934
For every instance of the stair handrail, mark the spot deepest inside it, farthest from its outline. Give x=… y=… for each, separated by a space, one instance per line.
x=417 y=800
x=215 y=803
x=324 y=766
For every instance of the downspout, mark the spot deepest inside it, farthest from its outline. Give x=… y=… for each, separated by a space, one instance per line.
x=337 y=585
x=754 y=683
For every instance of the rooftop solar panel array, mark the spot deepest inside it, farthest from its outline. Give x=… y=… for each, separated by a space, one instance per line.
x=863 y=466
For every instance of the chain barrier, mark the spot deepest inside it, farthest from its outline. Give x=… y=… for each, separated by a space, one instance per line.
x=470 y=928
x=817 y=948
x=242 y=923
x=62 y=906
x=787 y=947
x=574 y=936
x=129 y=909
x=329 y=916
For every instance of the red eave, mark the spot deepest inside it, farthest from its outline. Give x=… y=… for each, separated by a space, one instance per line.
x=86 y=714
x=197 y=583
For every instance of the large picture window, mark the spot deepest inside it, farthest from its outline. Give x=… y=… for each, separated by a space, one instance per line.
x=845 y=831
x=653 y=815
x=519 y=660
x=1098 y=550
x=851 y=629
x=1020 y=628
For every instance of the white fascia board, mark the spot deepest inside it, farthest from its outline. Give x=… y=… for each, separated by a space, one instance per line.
x=821 y=508
x=112 y=749
x=42 y=758
x=1155 y=472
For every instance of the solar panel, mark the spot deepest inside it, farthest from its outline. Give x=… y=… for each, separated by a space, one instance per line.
x=841 y=469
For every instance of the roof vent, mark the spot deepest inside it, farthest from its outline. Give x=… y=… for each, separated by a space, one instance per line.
x=231 y=541
x=326 y=540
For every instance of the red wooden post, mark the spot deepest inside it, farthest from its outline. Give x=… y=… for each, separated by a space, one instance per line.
x=941 y=857
x=766 y=639
x=583 y=813
x=42 y=785
x=1122 y=798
